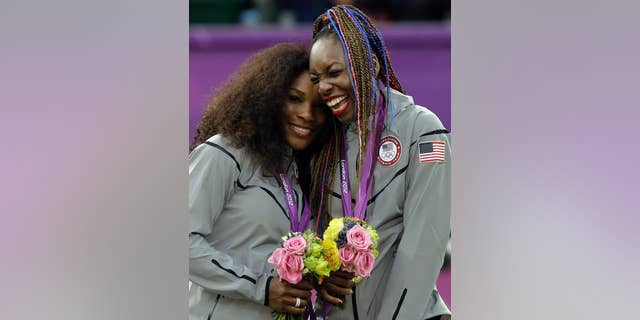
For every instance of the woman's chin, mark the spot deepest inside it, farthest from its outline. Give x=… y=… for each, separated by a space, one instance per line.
x=346 y=116
x=299 y=144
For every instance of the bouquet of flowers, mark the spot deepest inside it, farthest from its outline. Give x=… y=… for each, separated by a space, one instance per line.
x=353 y=243
x=301 y=255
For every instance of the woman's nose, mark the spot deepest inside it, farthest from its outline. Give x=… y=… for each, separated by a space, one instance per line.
x=305 y=111
x=324 y=87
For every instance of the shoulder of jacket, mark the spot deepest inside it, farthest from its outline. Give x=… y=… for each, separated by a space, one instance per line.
x=221 y=148
x=414 y=120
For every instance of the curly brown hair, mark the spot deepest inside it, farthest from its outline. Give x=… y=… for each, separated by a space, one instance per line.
x=248 y=107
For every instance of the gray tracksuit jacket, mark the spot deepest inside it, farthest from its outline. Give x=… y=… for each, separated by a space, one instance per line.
x=410 y=206
x=236 y=219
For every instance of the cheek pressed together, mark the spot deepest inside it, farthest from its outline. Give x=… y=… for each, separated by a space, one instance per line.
x=302 y=113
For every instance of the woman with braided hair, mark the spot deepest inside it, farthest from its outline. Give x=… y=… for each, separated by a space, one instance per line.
x=389 y=163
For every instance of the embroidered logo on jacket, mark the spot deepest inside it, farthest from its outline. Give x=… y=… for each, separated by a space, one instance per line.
x=431 y=151
x=390 y=150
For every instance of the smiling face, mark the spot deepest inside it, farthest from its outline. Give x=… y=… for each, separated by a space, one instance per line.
x=302 y=115
x=330 y=76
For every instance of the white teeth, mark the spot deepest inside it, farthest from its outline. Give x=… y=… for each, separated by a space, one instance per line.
x=302 y=131
x=335 y=101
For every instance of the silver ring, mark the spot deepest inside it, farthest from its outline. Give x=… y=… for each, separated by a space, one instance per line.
x=297 y=302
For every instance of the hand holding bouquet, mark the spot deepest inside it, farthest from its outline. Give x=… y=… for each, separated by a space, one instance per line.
x=354 y=242
x=301 y=255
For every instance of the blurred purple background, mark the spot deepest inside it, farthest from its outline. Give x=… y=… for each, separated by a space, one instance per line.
x=420 y=54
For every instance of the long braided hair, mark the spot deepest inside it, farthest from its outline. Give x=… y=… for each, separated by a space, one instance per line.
x=360 y=41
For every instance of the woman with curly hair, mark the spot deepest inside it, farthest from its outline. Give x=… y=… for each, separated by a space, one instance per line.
x=259 y=131
x=389 y=163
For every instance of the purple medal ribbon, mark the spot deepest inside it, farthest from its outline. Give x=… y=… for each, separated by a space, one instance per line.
x=345 y=184
x=365 y=180
x=364 y=188
x=297 y=224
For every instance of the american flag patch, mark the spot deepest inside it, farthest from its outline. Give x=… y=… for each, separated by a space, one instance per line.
x=431 y=151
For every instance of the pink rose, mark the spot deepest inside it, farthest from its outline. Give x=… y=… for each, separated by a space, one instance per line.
x=359 y=238
x=347 y=255
x=290 y=268
x=277 y=256
x=295 y=245
x=364 y=263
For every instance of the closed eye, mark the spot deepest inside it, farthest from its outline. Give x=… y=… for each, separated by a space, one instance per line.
x=335 y=73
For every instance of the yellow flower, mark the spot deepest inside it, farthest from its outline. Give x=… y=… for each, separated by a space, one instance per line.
x=335 y=226
x=331 y=254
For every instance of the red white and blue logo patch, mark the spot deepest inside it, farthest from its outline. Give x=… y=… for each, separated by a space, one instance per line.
x=431 y=151
x=390 y=150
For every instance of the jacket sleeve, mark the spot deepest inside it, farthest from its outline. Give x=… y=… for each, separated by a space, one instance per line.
x=212 y=177
x=426 y=221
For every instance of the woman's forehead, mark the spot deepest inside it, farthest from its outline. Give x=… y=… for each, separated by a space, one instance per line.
x=327 y=50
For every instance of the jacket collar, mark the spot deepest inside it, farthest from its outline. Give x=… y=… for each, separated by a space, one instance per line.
x=400 y=101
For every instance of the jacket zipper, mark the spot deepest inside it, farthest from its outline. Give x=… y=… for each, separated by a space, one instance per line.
x=213 y=307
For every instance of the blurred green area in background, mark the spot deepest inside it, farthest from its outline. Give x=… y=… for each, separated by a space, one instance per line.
x=215 y=11
x=290 y=12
